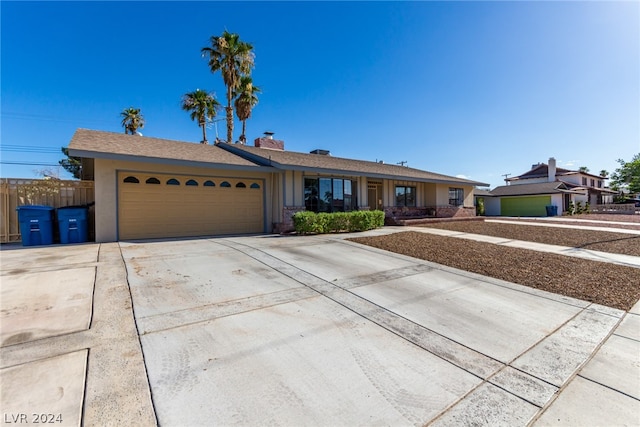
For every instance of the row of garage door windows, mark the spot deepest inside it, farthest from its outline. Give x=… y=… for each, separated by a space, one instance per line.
x=191 y=182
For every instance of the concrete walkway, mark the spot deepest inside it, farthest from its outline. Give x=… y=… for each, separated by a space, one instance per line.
x=575 y=224
x=300 y=331
x=627 y=260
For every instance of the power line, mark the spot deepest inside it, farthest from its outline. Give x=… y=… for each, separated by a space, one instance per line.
x=28 y=149
x=38 y=117
x=29 y=163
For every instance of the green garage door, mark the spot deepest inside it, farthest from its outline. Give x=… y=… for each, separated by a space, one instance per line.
x=524 y=206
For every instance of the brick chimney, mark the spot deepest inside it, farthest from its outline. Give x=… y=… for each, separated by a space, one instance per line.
x=267 y=141
x=552 y=169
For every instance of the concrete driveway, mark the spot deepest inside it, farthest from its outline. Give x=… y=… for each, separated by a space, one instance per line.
x=320 y=331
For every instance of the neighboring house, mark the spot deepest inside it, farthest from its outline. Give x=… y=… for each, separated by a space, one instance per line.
x=150 y=187
x=546 y=185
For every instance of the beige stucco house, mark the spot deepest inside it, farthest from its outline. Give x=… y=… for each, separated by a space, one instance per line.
x=153 y=188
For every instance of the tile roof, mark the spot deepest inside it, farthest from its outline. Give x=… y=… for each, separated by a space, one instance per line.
x=320 y=163
x=111 y=145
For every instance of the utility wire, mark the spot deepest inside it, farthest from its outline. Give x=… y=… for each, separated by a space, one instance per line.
x=36 y=117
x=28 y=149
x=29 y=164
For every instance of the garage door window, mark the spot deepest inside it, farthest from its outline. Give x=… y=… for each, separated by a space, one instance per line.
x=241 y=185
x=209 y=183
x=173 y=181
x=254 y=185
x=131 y=180
x=152 y=181
x=192 y=182
x=225 y=184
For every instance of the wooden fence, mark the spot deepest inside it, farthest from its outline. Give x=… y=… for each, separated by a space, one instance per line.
x=46 y=192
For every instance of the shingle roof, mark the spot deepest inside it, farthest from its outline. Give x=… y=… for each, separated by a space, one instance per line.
x=99 y=144
x=329 y=164
x=542 y=171
x=110 y=145
x=532 y=189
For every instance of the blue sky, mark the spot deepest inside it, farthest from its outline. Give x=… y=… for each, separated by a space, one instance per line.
x=472 y=89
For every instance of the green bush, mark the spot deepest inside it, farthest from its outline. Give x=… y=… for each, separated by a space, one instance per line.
x=307 y=222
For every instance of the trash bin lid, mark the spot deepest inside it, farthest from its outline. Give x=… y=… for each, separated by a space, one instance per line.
x=74 y=207
x=35 y=208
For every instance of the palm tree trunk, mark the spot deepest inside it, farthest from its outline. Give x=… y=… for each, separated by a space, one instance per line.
x=244 y=128
x=204 y=133
x=230 y=124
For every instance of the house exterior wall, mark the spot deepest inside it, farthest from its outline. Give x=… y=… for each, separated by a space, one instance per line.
x=106 y=189
x=431 y=199
x=529 y=181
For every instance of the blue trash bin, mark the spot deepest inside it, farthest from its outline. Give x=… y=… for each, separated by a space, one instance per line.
x=36 y=224
x=72 y=224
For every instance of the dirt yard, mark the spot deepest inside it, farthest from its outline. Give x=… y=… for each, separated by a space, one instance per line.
x=607 y=284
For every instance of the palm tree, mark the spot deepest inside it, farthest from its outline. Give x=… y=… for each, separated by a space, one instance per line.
x=203 y=107
x=233 y=58
x=246 y=99
x=132 y=120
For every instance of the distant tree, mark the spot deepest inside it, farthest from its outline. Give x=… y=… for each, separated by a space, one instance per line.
x=246 y=98
x=71 y=164
x=233 y=58
x=48 y=173
x=132 y=120
x=604 y=173
x=584 y=169
x=627 y=175
x=203 y=107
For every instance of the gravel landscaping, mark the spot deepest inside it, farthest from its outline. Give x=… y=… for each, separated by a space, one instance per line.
x=602 y=283
x=605 y=241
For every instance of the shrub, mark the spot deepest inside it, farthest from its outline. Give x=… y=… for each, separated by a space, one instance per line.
x=306 y=222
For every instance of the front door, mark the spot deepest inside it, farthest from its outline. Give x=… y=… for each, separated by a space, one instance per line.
x=374 y=196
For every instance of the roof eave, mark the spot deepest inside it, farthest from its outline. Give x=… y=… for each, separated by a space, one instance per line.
x=163 y=160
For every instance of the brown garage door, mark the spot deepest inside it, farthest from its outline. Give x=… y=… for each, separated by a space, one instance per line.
x=155 y=205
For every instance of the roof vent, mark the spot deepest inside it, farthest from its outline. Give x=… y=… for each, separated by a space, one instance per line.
x=321 y=152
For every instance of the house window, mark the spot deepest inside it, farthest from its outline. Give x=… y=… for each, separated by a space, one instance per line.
x=584 y=180
x=599 y=184
x=456 y=196
x=329 y=195
x=405 y=196
x=593 y=182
